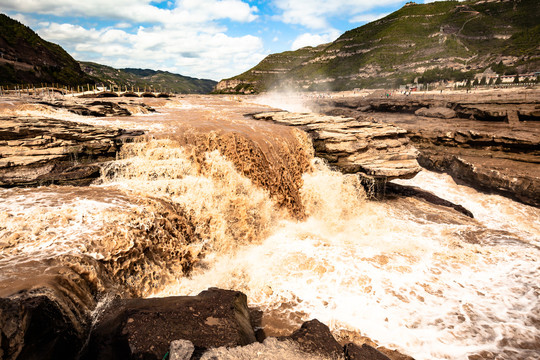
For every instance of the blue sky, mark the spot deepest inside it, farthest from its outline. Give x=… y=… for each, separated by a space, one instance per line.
x=212 y=39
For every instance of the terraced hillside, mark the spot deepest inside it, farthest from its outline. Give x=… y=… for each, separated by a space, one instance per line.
x=451 y=39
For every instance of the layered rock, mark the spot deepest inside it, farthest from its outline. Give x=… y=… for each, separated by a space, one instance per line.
x=39 y=151
x=491 y=143
x=99 y=108
x=372 y=149
x=436 y=112
x=478 y=107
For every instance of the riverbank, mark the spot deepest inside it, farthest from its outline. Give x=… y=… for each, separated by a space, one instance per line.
x=488 y=140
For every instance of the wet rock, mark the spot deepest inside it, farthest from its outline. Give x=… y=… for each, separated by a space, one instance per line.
x=402 y=190
x=315 y=337
x=520 y=181
x=488 y=107
x=47 y=317
x=145 y=328
x=364 y=352
x=39 y=151
x=181 y=350
x=354 y=145
x=436 y=112
x=404 y=105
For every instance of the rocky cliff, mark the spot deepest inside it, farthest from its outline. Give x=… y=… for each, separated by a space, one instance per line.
x=450 y=38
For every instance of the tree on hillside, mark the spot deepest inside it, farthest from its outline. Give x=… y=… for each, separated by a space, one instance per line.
x=516 y=79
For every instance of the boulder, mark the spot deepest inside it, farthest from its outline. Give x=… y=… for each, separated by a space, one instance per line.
x=45 y=317
x=364 y=352
x=181 y=350
x=145 y=328
x=315 y=337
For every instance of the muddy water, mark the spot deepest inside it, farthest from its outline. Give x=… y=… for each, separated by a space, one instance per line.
x=211 y=198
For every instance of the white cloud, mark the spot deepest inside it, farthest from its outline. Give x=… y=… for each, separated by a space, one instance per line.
x=186 y=11
x=122 y=25
x=309 y=39
x=314 y=14
x=184 y=50
x=185 y=37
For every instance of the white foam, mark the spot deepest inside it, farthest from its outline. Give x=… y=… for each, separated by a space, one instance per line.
x=494 y=211
x=408 y=284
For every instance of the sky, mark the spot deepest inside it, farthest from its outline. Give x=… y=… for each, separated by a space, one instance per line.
x=210 y=39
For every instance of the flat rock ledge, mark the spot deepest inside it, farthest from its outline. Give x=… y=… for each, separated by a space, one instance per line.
x=372 y=149
x=41 y=151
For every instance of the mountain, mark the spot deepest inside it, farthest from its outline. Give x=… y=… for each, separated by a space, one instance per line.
x=141 y=78
x=442 y=40
x=25 y=58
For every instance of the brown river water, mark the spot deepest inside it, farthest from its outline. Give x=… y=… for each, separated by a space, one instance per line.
x=212 y=198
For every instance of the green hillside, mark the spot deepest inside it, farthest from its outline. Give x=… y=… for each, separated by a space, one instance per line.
x=27 y=58
x=449 y=38
x=145 y=78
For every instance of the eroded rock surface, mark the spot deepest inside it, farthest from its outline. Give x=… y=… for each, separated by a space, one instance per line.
x=40 y=151
x=99 y=108
x=487 y=107
x=355 y=145
x=364 y=352
x=492 y=143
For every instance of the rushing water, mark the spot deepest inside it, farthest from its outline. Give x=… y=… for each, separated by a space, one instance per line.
x=214 y=199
